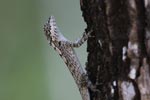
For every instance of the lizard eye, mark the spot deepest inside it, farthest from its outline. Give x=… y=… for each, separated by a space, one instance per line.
x=59 y=43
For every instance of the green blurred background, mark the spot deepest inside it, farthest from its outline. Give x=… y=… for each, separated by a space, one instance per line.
x=29 y=68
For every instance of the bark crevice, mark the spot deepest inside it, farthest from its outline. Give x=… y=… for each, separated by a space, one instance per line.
x=119 y=49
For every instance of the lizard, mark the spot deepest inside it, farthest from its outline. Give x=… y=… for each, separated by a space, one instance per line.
x=65 y=48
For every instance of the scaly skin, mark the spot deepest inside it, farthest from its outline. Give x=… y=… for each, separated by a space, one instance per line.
x=65 y=49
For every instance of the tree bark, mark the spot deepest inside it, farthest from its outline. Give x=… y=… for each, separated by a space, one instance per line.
x=119 y=48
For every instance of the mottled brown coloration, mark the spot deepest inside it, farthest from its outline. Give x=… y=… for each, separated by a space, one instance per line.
x=67 y=53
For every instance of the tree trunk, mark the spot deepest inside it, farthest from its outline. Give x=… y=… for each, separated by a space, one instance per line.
x=119 y=48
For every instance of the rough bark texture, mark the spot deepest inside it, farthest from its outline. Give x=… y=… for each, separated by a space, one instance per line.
x=119 y=49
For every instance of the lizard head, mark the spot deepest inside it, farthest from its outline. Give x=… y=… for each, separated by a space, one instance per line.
x=51 y=30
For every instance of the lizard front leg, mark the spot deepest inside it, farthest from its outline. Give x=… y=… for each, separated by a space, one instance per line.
x=79 y=41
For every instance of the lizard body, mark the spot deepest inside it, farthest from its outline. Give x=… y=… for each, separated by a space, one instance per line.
x=65 y=49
